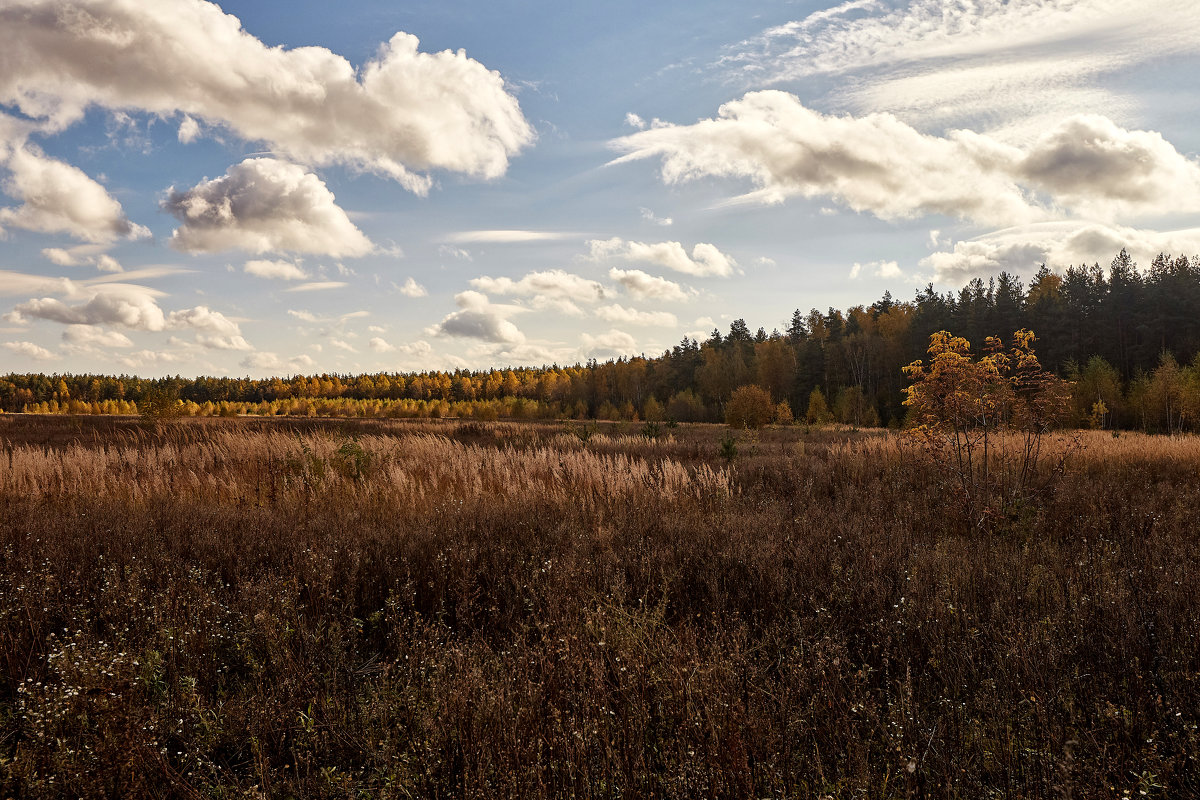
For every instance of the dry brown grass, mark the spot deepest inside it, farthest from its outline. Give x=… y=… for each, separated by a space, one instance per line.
x=308 y=609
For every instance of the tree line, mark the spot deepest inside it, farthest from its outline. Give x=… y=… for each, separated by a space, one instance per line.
x=1129 y=338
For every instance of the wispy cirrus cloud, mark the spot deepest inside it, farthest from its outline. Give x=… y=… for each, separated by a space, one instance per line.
x=507 y=236
x=990 y=64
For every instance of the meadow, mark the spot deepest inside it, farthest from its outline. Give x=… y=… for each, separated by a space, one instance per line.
x=236 y=608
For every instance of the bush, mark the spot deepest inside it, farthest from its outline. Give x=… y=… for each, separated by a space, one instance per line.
x=818 y=410
x=749 y=407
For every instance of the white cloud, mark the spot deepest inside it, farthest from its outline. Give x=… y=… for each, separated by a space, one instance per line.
x=411 y=288
x=650 y=216
x=417 y=348
x=634 y=121
x=30 y=350
x=189 y=130
x=106 y=263
x=399 y=114
x=554 y=289
x=1092 y=166
x=998 y=62
x=450 y=251
x=1058 y=244
x=877 y=163
x=705 y=259
x=59 y=198
x=213 y=342
x=90 y=336
x=262 y=362
x=879 y=269
x=20 y=283
x=507 y=236
x=278 y=270
x=343 y=345
x=612 y=344
x=334 y=322
x=317 y=286
x=479 y=318
x=622 y=315
x=264 y=205
x=128 y=306
x=380 y=345
x=302 y=362
x=640 y=284
x=152 y=358
x=75 y=256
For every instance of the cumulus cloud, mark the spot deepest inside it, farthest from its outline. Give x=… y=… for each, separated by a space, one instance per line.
x=262 y=362
x=410 y=288
x=705 y=259
x=1098 y=169
x=612 y=344
x=1059 y=244
x=278 y=270
x=90 y=336
x=402 y=113
x=380 y=345
x=879 y=269
x=620 y=314
x=479 y=318
x=264 y=205
x=650 y=216
x=554 y=289
x=125 y=305
x=417 y=348
x=106 y=263
x=189 y=130
x=59 y=198
x=879 y=164
x=645 y=286
x=30 y=350
x=128 y=306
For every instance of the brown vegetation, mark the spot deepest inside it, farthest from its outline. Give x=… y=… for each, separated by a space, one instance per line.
x=229 y=608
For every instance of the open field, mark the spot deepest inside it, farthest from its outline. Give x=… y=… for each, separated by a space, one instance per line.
x=274 y=608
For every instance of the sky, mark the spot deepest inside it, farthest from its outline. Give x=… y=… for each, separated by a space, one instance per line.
x=270 y=188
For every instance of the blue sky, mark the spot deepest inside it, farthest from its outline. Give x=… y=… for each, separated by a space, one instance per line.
x=268 y=188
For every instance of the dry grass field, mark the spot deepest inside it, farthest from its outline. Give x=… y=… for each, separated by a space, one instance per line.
x=273 y=608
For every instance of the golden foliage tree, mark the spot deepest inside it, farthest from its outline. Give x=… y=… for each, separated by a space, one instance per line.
x=959 y=404
x=750 y=406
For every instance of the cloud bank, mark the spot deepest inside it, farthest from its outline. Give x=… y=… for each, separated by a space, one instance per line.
x=881 y=165
x=401 y=114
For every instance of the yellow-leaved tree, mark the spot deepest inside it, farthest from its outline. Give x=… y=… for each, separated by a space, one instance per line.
x=984 y=420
